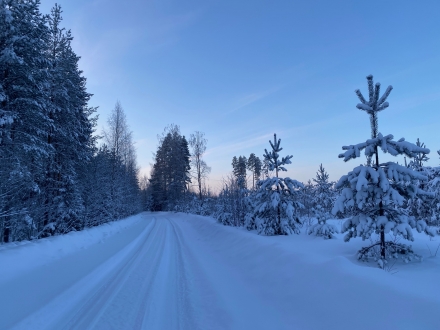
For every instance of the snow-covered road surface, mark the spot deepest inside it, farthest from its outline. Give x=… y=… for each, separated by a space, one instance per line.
x=175 y=271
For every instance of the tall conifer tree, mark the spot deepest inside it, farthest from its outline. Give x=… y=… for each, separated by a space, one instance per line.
x=171 y=171
x=24 y=121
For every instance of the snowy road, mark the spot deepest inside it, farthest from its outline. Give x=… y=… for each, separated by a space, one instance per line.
x=173 y=271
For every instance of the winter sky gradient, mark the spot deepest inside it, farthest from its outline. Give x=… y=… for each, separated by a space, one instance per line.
x=241 y=70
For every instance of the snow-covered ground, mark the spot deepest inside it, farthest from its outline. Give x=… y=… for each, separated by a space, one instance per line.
x=177 y=271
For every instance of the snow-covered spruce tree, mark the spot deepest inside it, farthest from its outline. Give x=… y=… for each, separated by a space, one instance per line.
x=323 y=193
x=69 y=134
x=277 y=199
x=322 y=200
x=249 y=203
x=378 y=192
x=24 y=120
x=97 y=192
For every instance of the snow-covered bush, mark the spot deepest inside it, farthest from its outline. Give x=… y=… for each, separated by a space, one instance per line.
x=324 y=229
x=225 y=204
x=232 y=205
x=426 y=207
x=277 y=199
x=321 y=199
x=323 y=194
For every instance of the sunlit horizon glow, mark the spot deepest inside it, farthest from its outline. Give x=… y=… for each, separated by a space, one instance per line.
x=240 y=71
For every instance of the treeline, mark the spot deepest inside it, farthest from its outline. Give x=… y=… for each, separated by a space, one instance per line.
x=383 y=207
x=380 y=202
x=274 y=205
x=53 y=177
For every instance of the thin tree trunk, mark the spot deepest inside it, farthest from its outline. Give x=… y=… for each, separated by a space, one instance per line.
x=199 y=177
x=381 y=213
x=278 y=208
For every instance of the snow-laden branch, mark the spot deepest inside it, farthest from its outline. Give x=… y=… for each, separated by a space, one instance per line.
x=386 y=143
x=390 y=183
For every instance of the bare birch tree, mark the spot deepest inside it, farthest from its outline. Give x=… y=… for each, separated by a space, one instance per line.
x=119 y=140
x=199 y=168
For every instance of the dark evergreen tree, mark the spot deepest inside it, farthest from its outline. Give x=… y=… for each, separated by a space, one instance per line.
x=52 y=178
x=254 y=165
x=70 y=132
x=99 y=206
x=170 y=176
x=239 y=166
x=24 y=121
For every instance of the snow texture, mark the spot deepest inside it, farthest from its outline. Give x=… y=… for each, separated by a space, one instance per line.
x=176 y=271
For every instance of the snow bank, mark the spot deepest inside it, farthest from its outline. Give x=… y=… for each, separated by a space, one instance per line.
x=228 y=277
x=319 y=284
x=19 y=257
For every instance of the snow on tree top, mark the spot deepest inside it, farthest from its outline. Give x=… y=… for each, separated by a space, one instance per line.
x=374 y=104
x=272 y=157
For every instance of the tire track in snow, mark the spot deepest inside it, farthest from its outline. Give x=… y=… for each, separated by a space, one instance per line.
x=222 y=298
x=115 y=303
x=149 y=291
x=167 y=305
x=56 y=312
x=166 y=279
x=204 y=304
x=186 y=311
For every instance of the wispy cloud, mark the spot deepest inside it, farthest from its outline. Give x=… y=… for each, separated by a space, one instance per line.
x=249 y=142
x=102 y=47
x=262 y=140
x=248 y=99
x=415 y=101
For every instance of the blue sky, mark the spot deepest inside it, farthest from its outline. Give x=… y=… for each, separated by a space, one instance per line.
x=242 y=70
